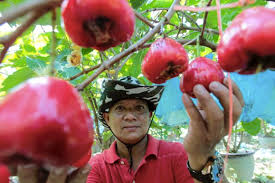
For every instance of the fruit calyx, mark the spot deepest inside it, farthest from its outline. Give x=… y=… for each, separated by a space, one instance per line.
x=258 y=63
x=171 y=71
x=100 y=29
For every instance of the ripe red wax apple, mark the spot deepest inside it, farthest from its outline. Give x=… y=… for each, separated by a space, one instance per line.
x=4 y=174
x=248 y=43
x=165 y=59
x=200 y=71
x=99 y=24
x=44 y=120
x=84 y=160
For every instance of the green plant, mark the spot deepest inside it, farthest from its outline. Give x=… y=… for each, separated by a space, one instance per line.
x=253 y=128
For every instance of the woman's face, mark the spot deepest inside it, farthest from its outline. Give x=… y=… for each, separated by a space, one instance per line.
x=129 y=119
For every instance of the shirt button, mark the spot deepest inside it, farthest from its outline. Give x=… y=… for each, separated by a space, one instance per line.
x=122 y=162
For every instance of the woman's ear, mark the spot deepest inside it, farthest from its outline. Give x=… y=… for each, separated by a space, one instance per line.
x=106 y=117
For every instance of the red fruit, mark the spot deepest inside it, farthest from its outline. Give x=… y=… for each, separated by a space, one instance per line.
x=249 y=42
x=84 y=160
x=99 y=24
x=165 y=59
x=200 y=71
x=44 y=120
x=4 y=174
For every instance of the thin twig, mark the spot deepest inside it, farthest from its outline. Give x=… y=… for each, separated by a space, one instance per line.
x=143 y=19
x=211 y=31
x=154 y=9
x=84 y=72
x=53 y=51
x=22 y=9
x=131 y=49
x=8 y=40
x=204 y=19
x=214 y=8
x=95 y=119
x=192 y=20
x=190 y=42
x=121 y=65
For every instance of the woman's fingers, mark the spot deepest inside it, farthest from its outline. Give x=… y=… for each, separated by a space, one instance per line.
x=222 y=93
x=197 y=123
x=213 y=114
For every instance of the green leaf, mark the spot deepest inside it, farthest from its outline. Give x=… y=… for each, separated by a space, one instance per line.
x=35 y=64
x=86 y=51
x=252 y=127
x=29 y=48
x=16 y=78
x=9 y=4
x=137 y=3
x=158 y=4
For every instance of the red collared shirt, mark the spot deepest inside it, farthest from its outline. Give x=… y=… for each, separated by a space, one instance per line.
x=164 y=162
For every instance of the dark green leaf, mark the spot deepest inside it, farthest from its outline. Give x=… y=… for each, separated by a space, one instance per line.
x=86 y=51
x=137 y=3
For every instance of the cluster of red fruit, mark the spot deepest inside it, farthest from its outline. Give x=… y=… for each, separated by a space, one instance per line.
x=246 y=47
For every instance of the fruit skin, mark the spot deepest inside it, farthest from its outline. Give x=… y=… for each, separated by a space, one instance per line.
x=165 y=59
x=4 y=174
x=248 y=42
x=84 y=160
x=44 y=120
x=200 y=71
x=119 y=28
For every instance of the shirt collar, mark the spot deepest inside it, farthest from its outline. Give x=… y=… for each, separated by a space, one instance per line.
x=152 y=150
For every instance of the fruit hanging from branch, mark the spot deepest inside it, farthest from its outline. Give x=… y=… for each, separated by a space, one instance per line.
x=44 y=121
x=99 y=24
x=165 y=59
x=200 y=71
x=248 y=45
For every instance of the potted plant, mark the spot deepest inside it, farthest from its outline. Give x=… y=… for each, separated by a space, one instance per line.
x=239 y=158
x=267 y=135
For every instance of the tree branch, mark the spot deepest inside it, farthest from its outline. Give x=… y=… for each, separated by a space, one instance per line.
x=144 y=20
x=8 y=40
x=24 y=8
x=204 y=20
x=84 y=72
x=131 y=49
